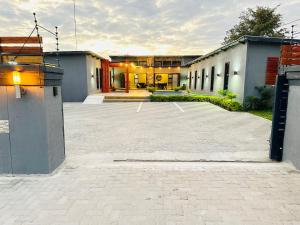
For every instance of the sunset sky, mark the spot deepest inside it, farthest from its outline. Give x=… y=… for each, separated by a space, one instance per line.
x=135 y=26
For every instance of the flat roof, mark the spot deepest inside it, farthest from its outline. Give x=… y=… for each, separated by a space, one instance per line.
x=74 y=53
x=242 y=40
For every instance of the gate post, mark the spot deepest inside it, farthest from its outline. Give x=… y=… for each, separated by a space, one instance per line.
x=279 y=117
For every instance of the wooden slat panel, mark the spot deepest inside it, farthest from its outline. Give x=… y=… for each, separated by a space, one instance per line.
x=23 y=59
x=290 y=54
x=20 y=40
x=290 y=48
x=285 y=61
x=17 y=50
x=272 y=70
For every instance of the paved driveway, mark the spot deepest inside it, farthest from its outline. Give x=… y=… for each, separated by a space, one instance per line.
x=165 y=131
x=91 y=189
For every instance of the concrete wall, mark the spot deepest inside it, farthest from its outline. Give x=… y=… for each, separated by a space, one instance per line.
x=74 y=84
x=257 y=56
x=291 y=150
x=92 y=64
x=5 y=156
x=35 y=142
x=236 y=56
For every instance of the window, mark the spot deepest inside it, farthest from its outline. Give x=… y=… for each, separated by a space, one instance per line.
x=226 y=76
x=195 y=79
x=158 y=64
x=97 y=78
x=176 y=63
x=190 y=83
x=142 y=63
x=272 y=70
x=202 y=79
x=212 y=79
x=166 y=63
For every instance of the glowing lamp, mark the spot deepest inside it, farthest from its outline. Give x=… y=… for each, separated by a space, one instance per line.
x=169 y=67
x=16 y=78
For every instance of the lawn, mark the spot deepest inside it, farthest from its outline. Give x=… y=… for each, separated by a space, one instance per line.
x=267 y=114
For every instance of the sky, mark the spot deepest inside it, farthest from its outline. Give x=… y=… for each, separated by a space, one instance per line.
x=134 y=27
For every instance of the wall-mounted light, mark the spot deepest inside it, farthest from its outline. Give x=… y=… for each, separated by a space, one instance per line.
x=218 y=75
x=206 y=76
x=17 y=81
x=235 y=73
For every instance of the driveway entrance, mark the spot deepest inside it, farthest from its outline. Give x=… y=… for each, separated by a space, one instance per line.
x=165 y=131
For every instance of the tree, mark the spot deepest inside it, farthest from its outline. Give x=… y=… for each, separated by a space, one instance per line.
x=261 y=21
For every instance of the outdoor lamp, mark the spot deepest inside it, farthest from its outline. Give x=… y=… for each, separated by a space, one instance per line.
x=17 y=82
x=235 y=73
x=206 y=75
x=218 y=75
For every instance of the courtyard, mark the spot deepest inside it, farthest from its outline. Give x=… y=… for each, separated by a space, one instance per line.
x=157 y=164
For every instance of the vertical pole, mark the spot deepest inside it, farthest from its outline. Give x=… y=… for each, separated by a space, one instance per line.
x=57 y=49
x=127 y=76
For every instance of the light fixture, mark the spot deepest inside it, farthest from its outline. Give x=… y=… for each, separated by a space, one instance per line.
x=16 y=78
x=206 y=76
x=17 y=82
x=235 y=73
x=169 y=67
x=12 y=63
x=218 y=75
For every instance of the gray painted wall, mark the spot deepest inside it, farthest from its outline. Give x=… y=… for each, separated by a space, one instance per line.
x=257 y=56
x=249 y=60
x=5 y=157
x=35 y=143
x=74 y=84
x=291 y=150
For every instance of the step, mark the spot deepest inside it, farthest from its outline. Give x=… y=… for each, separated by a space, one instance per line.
x=126 y=97
x=93 y=100
x=126 y=100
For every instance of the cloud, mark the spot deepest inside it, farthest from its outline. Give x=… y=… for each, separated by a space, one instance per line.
x=134 y=26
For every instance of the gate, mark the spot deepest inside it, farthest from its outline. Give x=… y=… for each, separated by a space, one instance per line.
x=279 y=117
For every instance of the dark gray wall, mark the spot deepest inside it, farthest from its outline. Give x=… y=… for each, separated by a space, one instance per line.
x=5 y=157
x=291 y=148
x=74 y=84
x=35 y=143
x=256 y=65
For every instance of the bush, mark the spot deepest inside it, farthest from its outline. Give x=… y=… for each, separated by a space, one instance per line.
x=183 y=87
x=264 y=101
x=225 y=103
x=177 y=89
x=151 y=89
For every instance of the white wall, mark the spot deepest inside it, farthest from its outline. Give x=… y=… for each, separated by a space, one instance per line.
x=236 y=56
x=92 y=63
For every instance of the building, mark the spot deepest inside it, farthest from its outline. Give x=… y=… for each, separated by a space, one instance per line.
x=238 y=67
x=85 y=73
x=163 y=72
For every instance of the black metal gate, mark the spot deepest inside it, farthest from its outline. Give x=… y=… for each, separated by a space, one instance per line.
x=279 y=117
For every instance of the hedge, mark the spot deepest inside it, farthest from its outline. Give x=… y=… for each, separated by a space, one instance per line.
x=219 y=101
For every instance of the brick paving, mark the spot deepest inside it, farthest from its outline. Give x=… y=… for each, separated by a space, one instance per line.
x=91 y=189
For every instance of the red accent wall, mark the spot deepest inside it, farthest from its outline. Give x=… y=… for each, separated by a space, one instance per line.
x=272 y=70
x=105 y=75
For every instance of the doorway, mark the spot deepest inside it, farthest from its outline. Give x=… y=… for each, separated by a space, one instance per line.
x=195 y=80
x=212 y=79
x=226 y=75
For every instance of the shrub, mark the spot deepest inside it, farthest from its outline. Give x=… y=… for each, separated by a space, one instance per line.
x=183 y=87
x=222 y=102
x=263 y=101
x=151 y=89
x=177 y=89
x=222 y=92
x=252 y=103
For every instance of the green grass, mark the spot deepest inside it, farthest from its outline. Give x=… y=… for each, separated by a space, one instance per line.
x=267 y=114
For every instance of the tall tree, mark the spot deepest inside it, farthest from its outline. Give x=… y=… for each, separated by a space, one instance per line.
x=261 y=21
